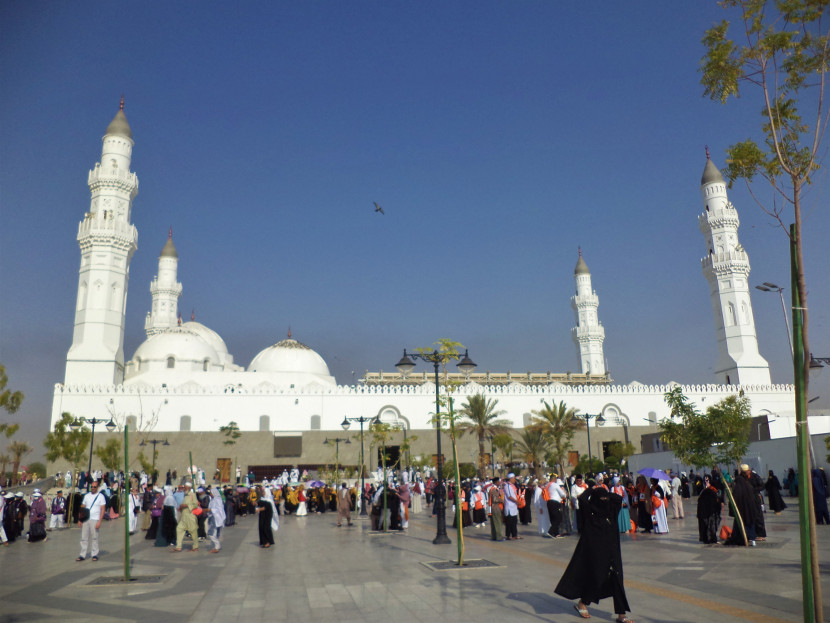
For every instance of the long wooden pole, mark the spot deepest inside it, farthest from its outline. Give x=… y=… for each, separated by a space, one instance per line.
x=126 y=508
x=810 y=586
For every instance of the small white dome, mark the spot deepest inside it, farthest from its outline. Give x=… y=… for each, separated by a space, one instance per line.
x=179 y=343
x=289 y=356
x=208 y=335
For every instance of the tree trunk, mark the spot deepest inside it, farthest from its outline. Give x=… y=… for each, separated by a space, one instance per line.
x=481 y=457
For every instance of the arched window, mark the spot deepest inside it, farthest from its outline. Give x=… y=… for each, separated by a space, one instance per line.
x=171 y=362
x=264 y=423
x=138 y=364
x=315 y=422
x=206 y=365
x=184 y=423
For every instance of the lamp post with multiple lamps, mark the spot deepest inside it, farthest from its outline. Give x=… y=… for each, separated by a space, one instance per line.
x=336 y=441
x=588 y=417
x=76 y=426
x=771 y=287
x=405 y=366
x=163 y=442
x=345 y=425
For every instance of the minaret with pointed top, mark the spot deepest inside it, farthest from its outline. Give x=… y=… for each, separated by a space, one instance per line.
x=726 y=268
x=588 y=334
x=166 y=291
x=108 y=241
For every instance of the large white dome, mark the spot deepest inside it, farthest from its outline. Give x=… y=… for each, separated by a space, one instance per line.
x=208 y=335
x=176 y=347
x=289 y=356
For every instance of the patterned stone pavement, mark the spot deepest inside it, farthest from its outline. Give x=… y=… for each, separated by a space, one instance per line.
x=319 y=572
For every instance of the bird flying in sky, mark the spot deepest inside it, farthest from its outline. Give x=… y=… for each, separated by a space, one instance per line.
x=378 y=208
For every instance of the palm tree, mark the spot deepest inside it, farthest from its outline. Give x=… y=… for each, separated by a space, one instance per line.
x=4 y=461
x=532 y=446
x=479 y=418
x=556 y=423
x=18 y=449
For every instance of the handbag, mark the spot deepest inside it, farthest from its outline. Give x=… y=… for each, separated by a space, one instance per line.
x=197 y=511
x=656 y=502
x=155 y=512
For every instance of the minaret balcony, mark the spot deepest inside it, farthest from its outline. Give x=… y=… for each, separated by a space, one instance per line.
x=727 y=261
x=119 y=179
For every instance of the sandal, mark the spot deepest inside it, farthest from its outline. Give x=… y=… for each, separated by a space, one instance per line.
x=95 y=558
x=625 y=619
x=80 y=559
x=583 y=612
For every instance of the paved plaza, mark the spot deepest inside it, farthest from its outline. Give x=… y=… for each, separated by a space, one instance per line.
x=319 y=572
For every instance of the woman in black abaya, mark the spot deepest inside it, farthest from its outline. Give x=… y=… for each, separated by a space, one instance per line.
x=265 y=511
x=595 y=570
x=167 y=527
x=708 y=513
x=773 y=487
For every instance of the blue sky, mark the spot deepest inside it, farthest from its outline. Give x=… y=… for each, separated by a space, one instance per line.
x=497 y=136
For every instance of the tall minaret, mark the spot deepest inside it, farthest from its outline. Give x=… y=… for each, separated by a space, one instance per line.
x=588 y=334
x=166 y=291
x=726 y=268
x=108 y=241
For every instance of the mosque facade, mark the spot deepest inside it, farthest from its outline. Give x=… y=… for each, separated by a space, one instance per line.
x=183 y=379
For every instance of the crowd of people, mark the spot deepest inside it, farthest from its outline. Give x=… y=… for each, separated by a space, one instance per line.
x=600 y=508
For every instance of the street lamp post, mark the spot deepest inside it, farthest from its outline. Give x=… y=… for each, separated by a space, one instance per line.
x=76 y=425
x=345 y=425
x=588 y=417
x=771 y=287
x=405 y=366
x=336 y=441
x=163 y=442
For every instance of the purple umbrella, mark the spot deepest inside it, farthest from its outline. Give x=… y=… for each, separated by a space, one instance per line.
x=316 y=483
x=653 y=472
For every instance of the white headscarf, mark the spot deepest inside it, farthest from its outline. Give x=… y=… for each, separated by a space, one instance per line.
x=269 y=499
x=169 y=500
x=217 y=507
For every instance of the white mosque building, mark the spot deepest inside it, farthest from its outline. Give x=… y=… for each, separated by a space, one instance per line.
x=183 y=378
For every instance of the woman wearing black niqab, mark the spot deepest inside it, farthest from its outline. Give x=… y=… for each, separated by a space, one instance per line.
x=773 y=487
x=595 y=570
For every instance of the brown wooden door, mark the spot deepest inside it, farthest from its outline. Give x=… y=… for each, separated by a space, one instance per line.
x=224 y=467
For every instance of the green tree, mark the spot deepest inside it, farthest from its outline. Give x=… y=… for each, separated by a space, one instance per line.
x=618 y=452
x=532 y=446
x=4 y=462
x=782 y=51
x=556 y=422
x=9 y=401
x=231 y=432
x=720 y=436
x=503 y=443
x=37 y=468
x=465 y=470
x=594 y=465
x=18 y=450
x=110 y=454
x=146 y=464
x=65 y=443
x=479 y=417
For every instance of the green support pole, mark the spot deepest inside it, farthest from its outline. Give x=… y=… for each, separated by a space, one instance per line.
x=806 y=519
x=126 y=508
